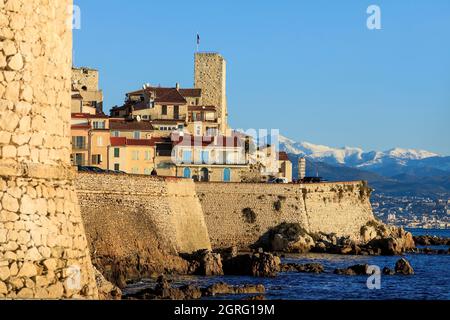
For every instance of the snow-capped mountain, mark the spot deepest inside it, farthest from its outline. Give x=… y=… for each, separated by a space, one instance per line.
x=389 y=163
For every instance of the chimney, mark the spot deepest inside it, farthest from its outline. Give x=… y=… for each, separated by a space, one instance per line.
x=177 y=86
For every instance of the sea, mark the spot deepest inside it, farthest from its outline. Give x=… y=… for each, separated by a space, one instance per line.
x=431 y=280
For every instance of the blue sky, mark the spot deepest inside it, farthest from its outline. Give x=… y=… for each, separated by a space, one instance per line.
x=310 y=68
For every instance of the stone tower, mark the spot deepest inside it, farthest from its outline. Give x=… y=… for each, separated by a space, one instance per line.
x=43 y=247
x=210 y=76
x=301 y=168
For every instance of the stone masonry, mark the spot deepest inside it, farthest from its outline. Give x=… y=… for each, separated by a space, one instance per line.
x=210 y=76
x=238 y=214
x=43 y=247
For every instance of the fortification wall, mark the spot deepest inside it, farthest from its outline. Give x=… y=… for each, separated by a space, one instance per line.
x=43 y=248
x=239 y=214
x=133 y=220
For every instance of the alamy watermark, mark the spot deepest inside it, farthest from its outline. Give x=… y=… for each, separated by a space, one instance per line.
x=374 y=19
x=74 y=19
x=73 y=281
x=374 y=280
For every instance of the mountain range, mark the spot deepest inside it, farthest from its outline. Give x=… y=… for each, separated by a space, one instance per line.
x=397 y=171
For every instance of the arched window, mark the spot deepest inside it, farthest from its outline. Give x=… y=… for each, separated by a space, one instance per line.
x=187 y=173
x=226 y=175
x=204 y=175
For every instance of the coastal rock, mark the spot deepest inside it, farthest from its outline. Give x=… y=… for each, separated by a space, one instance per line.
x=205 y=263
x=211 y=264
x=265 y=265
x=165 y=291
x=228 y=253
x=403 y=267
x=222 y=288
x=389 y=240
x=431 y=241
x=106 y=290
x=256 y=265
x=388 y=271
x=303 y=268
x=359 y=269
x=289 y=238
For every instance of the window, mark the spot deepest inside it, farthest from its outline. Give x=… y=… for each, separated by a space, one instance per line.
x=79 y=143
x=100 y=142
x=187 y=173
x=205 y=156
x=99 y=125
x=148 y=155
x=96 y=159
x=176 y=112
x=116 y=134
x=198 y=129
x=226 y=175
x=116 y=167
x=135 y=155
x=187 y=156
x=136 y=134
x=116 y=153
x=164 y=110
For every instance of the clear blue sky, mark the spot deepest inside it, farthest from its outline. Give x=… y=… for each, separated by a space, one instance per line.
x=310 y=68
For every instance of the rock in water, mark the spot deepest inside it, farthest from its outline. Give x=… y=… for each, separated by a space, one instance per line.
x=205 y=263
x=356 y=270
x=255 y=265
x=265 y=265
x=211 y=264
x=403 y=267
x=106 y=290
x=304 y=268
x=388 y=271
x=291 y=238
x=389 y=240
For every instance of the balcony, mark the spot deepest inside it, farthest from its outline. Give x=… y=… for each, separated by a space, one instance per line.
x=79 y=147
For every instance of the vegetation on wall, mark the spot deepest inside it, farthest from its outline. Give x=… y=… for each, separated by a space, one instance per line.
x=249 y=215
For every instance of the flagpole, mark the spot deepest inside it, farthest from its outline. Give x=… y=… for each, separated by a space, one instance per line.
x=198 y=41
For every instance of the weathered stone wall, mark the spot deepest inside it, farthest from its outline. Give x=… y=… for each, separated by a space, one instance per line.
x=169 y=207
x=85 y=79
x=210 y=76
x=43 y=248
x=239 y=214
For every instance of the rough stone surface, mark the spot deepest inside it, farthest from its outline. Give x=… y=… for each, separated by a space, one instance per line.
x=403 y=266
x=36 y=245
x=332 y=208
x=137 y=225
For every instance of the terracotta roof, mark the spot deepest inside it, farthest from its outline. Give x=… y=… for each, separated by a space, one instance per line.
x=123 y=141
x=186 y=92
x=80 y=126
x=89 y=116
x=140 y=142
x=130 y=125
x=202 y=108
x=283 y=156
x=169 y=96
x=162 y=95
x=118 y=141
x=191 y=93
